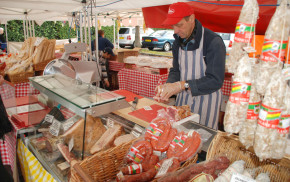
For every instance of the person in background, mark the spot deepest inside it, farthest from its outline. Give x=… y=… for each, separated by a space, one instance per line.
x=106 y=55
x=198 y=68
x=3 y=45
x=102 y=42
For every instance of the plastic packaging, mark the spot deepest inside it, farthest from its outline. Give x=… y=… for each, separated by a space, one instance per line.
x=279 y=147
x=236 y=167
x=139 y=151
x=266 y=133
x=236 y=109
x=245 y=27
x=184 y=146
x=247 y=132
x=263 y=177
x=272 y=55
x=212 y=167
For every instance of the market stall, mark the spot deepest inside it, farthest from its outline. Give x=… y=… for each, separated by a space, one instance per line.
x=122 y=135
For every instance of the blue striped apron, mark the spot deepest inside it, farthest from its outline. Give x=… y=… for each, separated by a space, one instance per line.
x=192 y=66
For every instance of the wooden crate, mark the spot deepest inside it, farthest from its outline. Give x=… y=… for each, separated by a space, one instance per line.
x=123 y=53
x=20 y=77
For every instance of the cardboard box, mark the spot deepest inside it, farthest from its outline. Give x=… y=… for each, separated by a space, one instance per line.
x=123 y=53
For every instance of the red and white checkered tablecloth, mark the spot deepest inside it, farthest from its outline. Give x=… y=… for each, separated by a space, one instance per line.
x=116 y=66
x=140 y=83
x=227 y=87
x=24 y=89
x=4 y=152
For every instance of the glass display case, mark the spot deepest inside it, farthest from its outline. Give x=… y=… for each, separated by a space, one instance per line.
x=86 y=104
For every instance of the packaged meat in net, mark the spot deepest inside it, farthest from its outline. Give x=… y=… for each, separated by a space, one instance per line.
x=273 y=50
x=236 y=109
x=236 y=167
x=280 y=145
x=266 y=134
x=212 y=168
x=244 y=32
x=184 y=146
x=247 y=133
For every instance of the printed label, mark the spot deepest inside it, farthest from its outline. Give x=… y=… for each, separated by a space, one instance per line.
x=55 y=127
x=110 y=123
x=132 y=153
x=120 y=176
x=272 y=49
x=135 y=134
x=147 y=108
x=269 y=117
x=175 y=141
x=164 y=168
x=253 y=111
x=237 y=177
x=202 y=177
x=135 y=169
x=240 y=92
x=67 y=124
x=244 y=32
x=156 y=134
x=137 y=131
x=182 y=140
x=158 y=153
x=151 y=128
x=49 y=118
x=284 y=124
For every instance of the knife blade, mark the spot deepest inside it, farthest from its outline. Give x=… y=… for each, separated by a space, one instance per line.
x=134 y=104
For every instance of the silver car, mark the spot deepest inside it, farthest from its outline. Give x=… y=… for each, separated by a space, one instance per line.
x=127 y=36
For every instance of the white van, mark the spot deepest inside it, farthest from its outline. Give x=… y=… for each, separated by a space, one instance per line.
x=127 y=36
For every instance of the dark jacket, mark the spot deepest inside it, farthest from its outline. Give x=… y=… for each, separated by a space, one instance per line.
x=214 y=53
x=102 y=43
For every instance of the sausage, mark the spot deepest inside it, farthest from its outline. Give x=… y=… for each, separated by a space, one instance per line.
x=165 y=139
x=184 y=146
x=139 y=151
x=148 y=163
x=145 y=176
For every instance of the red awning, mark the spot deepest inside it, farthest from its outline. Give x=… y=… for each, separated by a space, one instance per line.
x=219 y=16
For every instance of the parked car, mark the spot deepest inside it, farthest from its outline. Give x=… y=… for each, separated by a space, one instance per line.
x=127 y=35
x=159 y=39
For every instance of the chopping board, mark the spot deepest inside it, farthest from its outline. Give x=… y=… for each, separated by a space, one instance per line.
x=141 y=104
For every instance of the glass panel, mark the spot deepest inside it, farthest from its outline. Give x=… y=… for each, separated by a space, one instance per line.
x=74 y=91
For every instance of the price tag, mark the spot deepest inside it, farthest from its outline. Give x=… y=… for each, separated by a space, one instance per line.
x=158 y=153
x=135 y=134
x=66 y=125
x=147 y=108
x=63 y=166
x=164 y=168
x=55 y=127
x=249 y=49
x=236 y=177
x=71 y=144
x=138 y=128
x=49 y=118
x=110 y=123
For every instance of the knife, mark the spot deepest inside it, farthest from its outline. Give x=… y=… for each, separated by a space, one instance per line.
x=134 y=104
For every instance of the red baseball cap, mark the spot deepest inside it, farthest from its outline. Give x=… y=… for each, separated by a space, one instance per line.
x=176 y=12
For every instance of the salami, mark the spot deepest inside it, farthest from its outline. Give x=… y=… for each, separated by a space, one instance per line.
x=140 y=150
x=143 y=167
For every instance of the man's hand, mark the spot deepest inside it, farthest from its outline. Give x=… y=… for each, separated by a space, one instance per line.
x=1 y=79
x=164 y=92
x=107 y=83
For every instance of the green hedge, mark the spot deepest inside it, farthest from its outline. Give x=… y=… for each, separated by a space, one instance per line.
x=50 y=30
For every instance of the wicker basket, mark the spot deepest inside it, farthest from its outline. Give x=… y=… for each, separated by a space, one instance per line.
x=41 y=65
x=104 y=165
x=229 y=145
x=20 y=77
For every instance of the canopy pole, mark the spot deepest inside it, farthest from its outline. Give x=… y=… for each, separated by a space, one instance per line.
x=6 y=37
x=81 y=27
x=26 y=25
x=30 y=28
x=89 y=32
x=24 y=29
x=85 y=25
x=114 y=32
x=96 y=38
x=33 y=28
